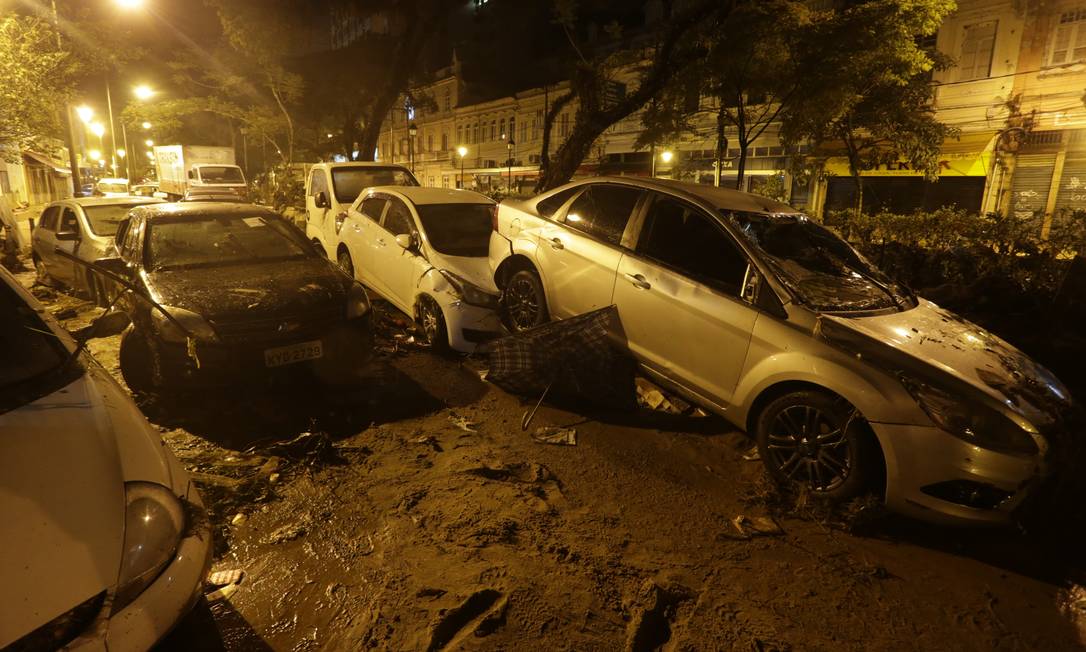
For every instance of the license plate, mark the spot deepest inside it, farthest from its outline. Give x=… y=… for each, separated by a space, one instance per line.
x=282 y=355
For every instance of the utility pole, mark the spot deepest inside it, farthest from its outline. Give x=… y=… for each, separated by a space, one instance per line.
x=69 y=134
x=112 y=131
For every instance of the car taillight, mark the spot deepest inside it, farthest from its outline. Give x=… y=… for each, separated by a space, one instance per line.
x=494 y=217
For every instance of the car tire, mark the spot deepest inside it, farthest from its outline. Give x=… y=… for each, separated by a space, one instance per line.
x=345 y=262
x=817 y=441
x=319 y=247
x=135 y=361
x=41 y=274
x=431 y=323
x=523 y=303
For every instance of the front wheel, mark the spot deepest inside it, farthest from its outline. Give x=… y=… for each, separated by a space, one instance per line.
x=814 y=440
x=135 y=359
x=523 y=304
x=41 y=273
x=344 y=260
x=431 y=323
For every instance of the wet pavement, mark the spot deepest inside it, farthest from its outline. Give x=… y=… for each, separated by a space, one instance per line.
x=416 y=514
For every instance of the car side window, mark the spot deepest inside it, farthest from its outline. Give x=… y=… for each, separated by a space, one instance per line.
x=373 y=208
x=68 y=222
x=398 y=218
x=603 y=210
x=681 y=237
x=130 y=247
x=317 y=182
x=122 y=231
x=49 y=218
x=547 y=207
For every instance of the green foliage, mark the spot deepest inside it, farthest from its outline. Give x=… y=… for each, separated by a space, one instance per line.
x=35 y=81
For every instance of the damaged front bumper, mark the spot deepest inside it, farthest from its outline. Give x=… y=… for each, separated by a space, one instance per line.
x=469 y=326
x=937 y=477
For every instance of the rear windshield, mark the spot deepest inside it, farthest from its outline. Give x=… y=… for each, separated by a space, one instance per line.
x=222 y=240
x=104 y=219
x=221 y=174
x=457 y=229
x=30 y=354
x=112 y=187
x=348 y=183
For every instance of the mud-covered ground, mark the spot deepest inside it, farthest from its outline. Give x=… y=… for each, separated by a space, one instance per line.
x=417 y=515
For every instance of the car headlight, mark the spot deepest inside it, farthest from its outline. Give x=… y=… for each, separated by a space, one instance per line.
x=972 y=421
x=193 y=325
x=469 y=293
x=358 y=303
x=153 y=522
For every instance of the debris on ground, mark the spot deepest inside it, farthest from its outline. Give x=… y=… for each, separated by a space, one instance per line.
x=752 y=455
x=463 y=423
x=238 y=519
x=309 y=447
x=65 y=313
x=1072 y=603
x=555 y=435
x=653 y=397
x=756 y=526
x=224 y=577
x=286 y=533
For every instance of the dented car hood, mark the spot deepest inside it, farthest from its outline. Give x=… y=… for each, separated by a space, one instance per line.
x=282 y=287
x=928 y=341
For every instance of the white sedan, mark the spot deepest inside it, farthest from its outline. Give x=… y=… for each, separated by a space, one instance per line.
x=425 y=250
x=104 y=543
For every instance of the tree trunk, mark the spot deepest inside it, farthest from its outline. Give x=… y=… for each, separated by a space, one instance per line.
x=744 y=140
x=721 y=144
x=548 y=127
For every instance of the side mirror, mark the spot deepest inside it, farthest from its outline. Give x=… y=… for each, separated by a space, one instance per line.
x=191 y=174
x=115 y=265
x=320 y=200
x=406 y=240
x=67 y=236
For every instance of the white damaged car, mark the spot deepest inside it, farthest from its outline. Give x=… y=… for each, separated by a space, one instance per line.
x=104 y=543
x=425 y=250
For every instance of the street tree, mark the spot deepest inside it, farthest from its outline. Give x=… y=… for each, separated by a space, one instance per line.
x=870 y=93
x=36 y=79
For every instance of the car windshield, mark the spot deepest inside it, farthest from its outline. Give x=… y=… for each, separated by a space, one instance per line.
x=217 y=240
x=457 y=229
x=348 y=183
x=28 y=349
x=112 y=187
x=822 y=269
x=104 y=219
x=221 y=174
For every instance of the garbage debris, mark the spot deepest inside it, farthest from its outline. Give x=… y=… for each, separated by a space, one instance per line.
x=584 y=356
x=756 y=526
x=555 y=435
x=238 y=519
x=463 y=423
x=286 y=533
x=310 y=447
x=654 y=398
x=227 y=583
x=752 y=455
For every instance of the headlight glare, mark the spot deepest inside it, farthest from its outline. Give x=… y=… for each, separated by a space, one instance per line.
x=971 y=421
x=358 y=302
x=153 y=522
x=193 y=325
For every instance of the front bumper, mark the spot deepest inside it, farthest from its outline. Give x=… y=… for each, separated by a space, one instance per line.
x=470 y=326
x=936 y=477
x=347 y=348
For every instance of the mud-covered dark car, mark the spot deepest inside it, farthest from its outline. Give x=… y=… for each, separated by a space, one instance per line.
x=234 y=292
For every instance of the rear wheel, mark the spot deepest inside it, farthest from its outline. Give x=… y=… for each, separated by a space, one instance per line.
x=431 y=323
x=41 y=273
x=319 y=247
x=817 y=441
x=523 y=303
x=344 y=260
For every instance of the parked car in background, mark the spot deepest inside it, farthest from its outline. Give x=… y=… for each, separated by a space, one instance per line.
x=243 y=295
x=425 y=251
x=144 y=190
x=331 y=188
x=111 y=188
x=84 y=227
x=104 y=541
x=213 y=194
x=750 y=309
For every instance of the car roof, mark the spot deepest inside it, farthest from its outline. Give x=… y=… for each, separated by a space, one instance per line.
x=420 y=195
x=200 y=209
x=358 y=164
x=113 y=180
x=110 y=201
x=719 y=197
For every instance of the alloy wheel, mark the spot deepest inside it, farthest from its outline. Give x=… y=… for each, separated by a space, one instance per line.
x=521 y=303
x=344 y=260
x=810 y=446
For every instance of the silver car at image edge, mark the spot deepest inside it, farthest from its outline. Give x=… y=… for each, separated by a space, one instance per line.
x=750 y=309
x=104 y=542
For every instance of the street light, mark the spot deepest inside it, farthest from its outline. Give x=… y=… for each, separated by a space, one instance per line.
x=412 y=130
x=146 y=125
x=143 y=92
x=98 y=129
x=462 y=151
x=149 y=142
x=129 y=4
x=666 y=156
x=121 y=152
x=94 y=154
x=85 y=113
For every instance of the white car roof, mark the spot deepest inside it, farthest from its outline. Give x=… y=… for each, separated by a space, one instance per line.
x=111 y=201
x=358 y=164
x=420 y=195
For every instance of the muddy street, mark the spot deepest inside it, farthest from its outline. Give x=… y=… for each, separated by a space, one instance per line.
x=417 y=515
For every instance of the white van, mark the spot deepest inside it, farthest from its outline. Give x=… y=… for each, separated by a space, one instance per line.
x=331 y=188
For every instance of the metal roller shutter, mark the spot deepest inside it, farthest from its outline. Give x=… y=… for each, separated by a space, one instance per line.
x=1029 y=187
x=1072 y=192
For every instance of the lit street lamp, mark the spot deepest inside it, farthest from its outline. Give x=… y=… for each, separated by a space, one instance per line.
x=462 y=151
x=143 y=92
x=146 y=125
x=412 y=131
x=85 y=113
x=666 y=156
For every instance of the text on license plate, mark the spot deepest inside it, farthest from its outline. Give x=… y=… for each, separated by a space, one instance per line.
x=282 y=355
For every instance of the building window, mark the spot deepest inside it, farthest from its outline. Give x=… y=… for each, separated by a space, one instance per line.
x=512 y=126
x=1069 y=39
x=444 y=141
x=978 y=43
x=448 y=100
x=493 y=130
x=460 y=134
x=430 y=144
x=475 y=133
x=501 y=131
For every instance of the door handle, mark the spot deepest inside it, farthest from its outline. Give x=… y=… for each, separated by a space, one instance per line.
x=638 y=281
x=357 y=229
x=556 y=243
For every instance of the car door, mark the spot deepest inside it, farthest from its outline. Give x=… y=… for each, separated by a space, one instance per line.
x=130 y=250
x=67 y=237
x=316 y=216
x=359 y=231
x=394 y=264
x=44 y=236
x=679 y=297
x=578 y=257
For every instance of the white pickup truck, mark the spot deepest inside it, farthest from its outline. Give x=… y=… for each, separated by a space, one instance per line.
x=181 y=167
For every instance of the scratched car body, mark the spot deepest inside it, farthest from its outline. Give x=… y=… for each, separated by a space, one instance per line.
x=242 y=294
x=750 y=309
